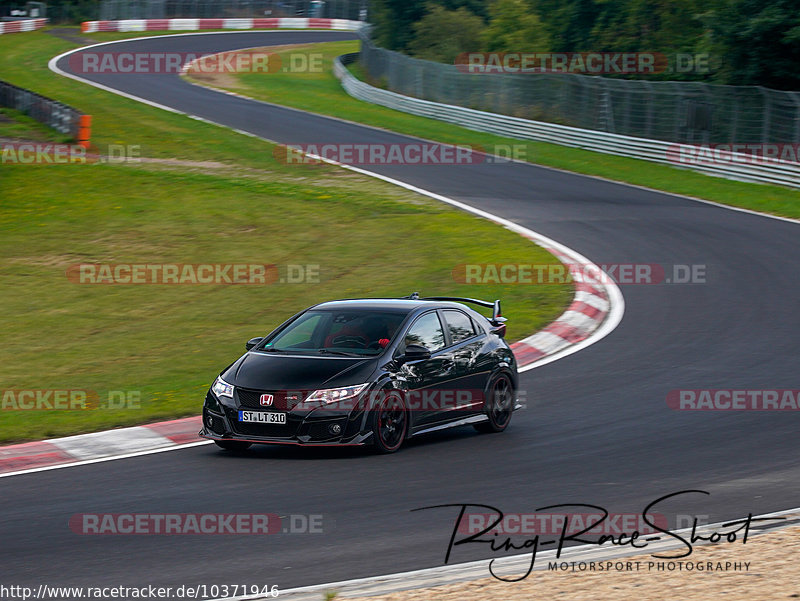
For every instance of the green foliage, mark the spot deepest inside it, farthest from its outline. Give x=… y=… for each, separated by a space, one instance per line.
x=759 y=41
x=394 y=20
x=514 y=26
x=443 y=34
x=747 y=41
x=570 y=22
x=648 y=26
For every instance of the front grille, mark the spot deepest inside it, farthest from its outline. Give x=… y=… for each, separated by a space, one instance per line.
x=283 y=400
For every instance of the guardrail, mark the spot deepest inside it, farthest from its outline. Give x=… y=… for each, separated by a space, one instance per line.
x=733 y=165
x=52 y=113
x=233 y=23
x=174 y=9
x=21 y=25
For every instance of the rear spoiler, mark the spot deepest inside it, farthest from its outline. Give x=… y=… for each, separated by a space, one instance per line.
x=497 y=320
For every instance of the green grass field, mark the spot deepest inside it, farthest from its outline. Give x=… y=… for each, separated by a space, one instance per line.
x=205 y=195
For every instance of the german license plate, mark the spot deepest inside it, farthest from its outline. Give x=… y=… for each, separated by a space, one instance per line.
x=262 y=417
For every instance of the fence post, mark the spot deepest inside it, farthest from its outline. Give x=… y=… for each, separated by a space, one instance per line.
x=796 y=99
x=648 y=128
x=734 y=120
x=766 y=115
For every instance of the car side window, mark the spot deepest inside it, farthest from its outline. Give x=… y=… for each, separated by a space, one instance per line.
x=459 y=325
x=426 y=331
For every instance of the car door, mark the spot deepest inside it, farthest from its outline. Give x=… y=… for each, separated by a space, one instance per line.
x=469 y=371
x=427 y=380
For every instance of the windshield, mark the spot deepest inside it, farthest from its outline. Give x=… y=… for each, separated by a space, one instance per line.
x=353 y=333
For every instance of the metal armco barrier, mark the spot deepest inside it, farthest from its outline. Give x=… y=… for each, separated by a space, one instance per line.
x=21 y=25
x=684 y=112
x=732 y=165
x=170 y=9
x=233 y=23
x=60 y=117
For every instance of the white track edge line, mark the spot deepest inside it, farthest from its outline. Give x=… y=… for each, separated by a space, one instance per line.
x=47 y=468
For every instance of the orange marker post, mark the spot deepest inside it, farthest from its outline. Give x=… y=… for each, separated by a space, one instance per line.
x=84 y=130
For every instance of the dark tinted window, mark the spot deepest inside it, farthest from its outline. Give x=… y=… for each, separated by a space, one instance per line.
x=459 y=326
x=359 y=332
x=426 y=331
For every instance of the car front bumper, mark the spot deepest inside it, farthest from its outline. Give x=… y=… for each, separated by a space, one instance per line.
x=307 y=427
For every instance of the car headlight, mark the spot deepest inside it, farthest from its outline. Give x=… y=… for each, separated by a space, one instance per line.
x=221 y=388
x=332 y=395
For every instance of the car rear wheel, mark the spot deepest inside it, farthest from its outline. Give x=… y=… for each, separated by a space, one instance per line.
x=499 y=406
x=391 y=423
x=233 y=445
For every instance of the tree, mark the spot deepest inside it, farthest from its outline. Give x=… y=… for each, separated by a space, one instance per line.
x=393 y=22
x=569 y=22
x=443 y=34
x=515 y=26
x=759 y=42
x=648 y=26
x=662 y=27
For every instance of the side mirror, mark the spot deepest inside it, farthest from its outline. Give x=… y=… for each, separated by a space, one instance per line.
x=253 y=342
x=414 y=352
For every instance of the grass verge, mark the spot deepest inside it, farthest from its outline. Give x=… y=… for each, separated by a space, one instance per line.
x=204 y=194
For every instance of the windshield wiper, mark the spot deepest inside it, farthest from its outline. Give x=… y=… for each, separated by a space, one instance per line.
x=325 y=351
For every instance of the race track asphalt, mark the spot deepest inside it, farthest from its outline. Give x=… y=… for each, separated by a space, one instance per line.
x=596 y=430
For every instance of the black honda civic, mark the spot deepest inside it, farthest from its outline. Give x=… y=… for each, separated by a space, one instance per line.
x=367 y=372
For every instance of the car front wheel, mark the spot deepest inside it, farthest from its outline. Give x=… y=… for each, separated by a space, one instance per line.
x=391 y=423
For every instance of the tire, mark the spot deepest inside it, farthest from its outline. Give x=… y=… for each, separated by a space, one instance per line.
x=233 y=445
x=499 y=406
x=390 y=424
